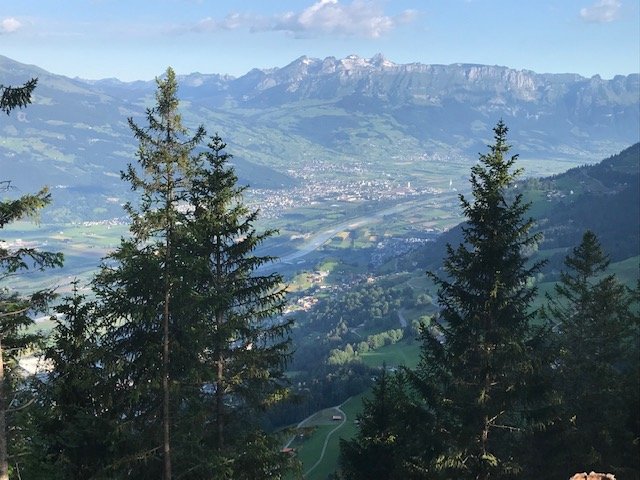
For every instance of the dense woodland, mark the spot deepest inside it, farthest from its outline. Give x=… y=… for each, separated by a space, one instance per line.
x=165 y=374
x=508 y=391
x=177 y=368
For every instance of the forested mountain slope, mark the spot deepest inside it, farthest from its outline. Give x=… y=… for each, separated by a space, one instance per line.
x=603 y=198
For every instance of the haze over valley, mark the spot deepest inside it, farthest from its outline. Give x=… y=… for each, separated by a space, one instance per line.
x=317 y=141
x=420 y=299
x=361 y=128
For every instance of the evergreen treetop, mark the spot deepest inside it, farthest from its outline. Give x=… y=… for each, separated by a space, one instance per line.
x=596 y=363
x=483 y=367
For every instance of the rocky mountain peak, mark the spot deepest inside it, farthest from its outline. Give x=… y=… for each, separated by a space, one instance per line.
x=381 y=61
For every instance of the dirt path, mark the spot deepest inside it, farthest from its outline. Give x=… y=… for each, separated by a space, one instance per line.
x=310 y=418
x=300 y=425
x=326 y=440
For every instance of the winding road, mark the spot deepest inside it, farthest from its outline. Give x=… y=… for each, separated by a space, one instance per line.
x=338 y=410
x=326 y=440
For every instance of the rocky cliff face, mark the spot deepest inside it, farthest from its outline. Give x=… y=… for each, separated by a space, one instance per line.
x=379 y=77
x=582 y=106
x=561 y=104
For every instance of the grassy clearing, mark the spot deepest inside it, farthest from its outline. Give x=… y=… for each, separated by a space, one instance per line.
x=401 y=353
x=299 y=283
x=310 y=448
x=626 y=271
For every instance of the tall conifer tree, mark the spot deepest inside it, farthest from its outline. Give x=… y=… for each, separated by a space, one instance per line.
x=139 y=283
x=477 y=381
x=375 y=450
x=475 y=395
x=238 y=304
x=597 y=364
x=74 y=429
x=15 y=309
x=195 y=342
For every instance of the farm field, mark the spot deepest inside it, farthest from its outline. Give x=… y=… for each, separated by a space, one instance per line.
x=400 y=354
x=319 y=455
x=317 y=427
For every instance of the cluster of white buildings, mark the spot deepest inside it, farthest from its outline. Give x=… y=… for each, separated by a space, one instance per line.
x=275 y=203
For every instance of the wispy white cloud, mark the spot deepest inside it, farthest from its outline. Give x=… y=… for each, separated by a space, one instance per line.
x=603 y=11
x=359 y=18
x=9 y=25
x=232 y=21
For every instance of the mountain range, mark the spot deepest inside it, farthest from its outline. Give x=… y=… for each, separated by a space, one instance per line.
x=371 y=117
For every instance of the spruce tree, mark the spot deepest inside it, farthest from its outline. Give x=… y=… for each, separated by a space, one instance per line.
x=477 y=380
x=238 y=303
x=477 y=393
x=597 y=364
x=73 y=427
x=16 y=310
x=195 y=346
x=375 y=450
x=138 y=286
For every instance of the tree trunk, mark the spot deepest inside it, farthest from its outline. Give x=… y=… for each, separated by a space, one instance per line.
x=220 y=354
x=220 y=402
x=166 y=429
x=166 y=433
x=4 y=464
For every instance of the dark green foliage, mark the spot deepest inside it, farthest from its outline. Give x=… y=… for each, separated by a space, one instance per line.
x=371 y=304
x=473 y=398
x=140 y=287
x=16 y=97
x=482 y=369
x=74 y=430
x=240 y=303
x=259 y=456
x=240 y=338
x=597 y=364
x=375 y=452
x=194 y=348
x=16 y=310
x=14 y=260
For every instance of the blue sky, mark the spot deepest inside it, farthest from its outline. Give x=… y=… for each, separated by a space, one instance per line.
x=138 y=39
